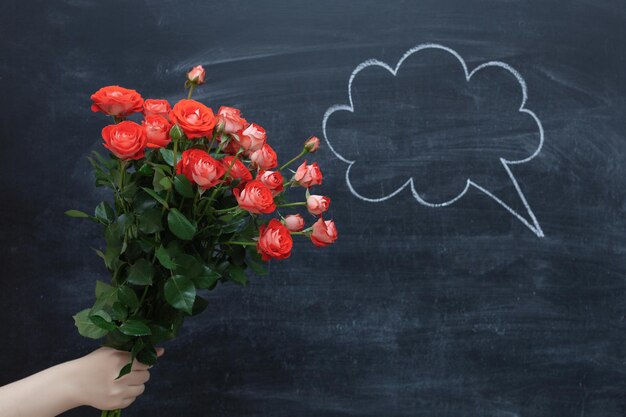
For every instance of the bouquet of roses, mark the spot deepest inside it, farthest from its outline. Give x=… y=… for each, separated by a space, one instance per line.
x=196 y=201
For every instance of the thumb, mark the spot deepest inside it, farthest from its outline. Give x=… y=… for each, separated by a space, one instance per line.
x=160 y=351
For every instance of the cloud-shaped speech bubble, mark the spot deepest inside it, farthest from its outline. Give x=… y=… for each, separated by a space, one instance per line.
x=422 y=133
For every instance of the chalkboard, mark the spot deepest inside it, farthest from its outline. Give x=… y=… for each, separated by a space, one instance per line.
x=474 y=153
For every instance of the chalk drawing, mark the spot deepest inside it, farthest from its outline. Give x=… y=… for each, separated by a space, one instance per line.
x=533 y=225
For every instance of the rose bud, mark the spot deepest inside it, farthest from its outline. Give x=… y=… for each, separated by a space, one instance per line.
x=275 y=241
x=194 y=118
x=324 y=232
x=237 y=171
x=116 y=101
x=264 y=158
x=196 y=75
x=255 y=197
x=273 y=180
x=317 y=204
x=156 y=107
x=231 y=119
x=308 y=175
x=157 y=130
x=252 y=138
x=294 y=222
x=126 y=140
x=312 y=144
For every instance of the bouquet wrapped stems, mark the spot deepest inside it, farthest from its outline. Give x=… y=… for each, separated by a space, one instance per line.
x=197 y=200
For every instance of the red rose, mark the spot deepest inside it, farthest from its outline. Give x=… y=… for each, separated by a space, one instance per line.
x=294 y=222
x=205 y=170
x=116 y=101
x=187 y=161
x=231 y=119
x=196 y=75
x=317 y=204
x=157 y=107
x=324 y=232
x=272 y=179
x=252 y=138
x=157 y=131
x=194 y=118
x=238 y=170
x=264 y=158
x=308 y=175
x=255 y=197
x=127 y=140
x=275 y=241
x=312 y=144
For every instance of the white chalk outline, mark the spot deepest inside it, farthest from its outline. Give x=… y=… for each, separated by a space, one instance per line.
x=534 y=227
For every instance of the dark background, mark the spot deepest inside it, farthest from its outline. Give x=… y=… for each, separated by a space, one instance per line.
x=415 y=311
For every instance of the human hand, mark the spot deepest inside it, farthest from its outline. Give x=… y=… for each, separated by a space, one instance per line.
x=95 y=384
x=89 y=380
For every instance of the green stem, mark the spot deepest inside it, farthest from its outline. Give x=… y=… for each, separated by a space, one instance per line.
x=143 y=297
x=299 y=203
x=227 y=209
x=239 y=243
x=193 y=85
x=304 y=152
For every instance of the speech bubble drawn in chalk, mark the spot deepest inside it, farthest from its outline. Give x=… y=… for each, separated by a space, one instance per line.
x=533 y=224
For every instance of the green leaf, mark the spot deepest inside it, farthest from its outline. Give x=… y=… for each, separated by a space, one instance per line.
x=166 y=183
x=207 y=279
x=125 y=370
x=118 y=311
x=150 y=221
x=147 y=355
x=86 y=327
x=237 y=275
x=180 y=226
x=180 y=293
x=183 y=186
x=157 y=197
x=105 y=212
x=103 y=320
x=164 y=258
x=141 y=272
x=128 y=297
x=135 y=327
x=168 y=156
x=77 y=213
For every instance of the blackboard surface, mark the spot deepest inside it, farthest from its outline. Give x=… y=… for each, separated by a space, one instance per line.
x=504 y=302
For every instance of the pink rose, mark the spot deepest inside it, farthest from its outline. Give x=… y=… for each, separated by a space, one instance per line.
x=264 y=158
x=255 y=197
x=317 y=204
x=275 y=241
x=308 y=175
x=252 y=138
x=294 y=222
x=231 y=120
x=156 y=107
x=272 y=179
x=324 y=232
x=196 y=75
x=157 y=131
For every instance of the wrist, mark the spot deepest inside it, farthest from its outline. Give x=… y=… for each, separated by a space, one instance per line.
x=69 y=383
